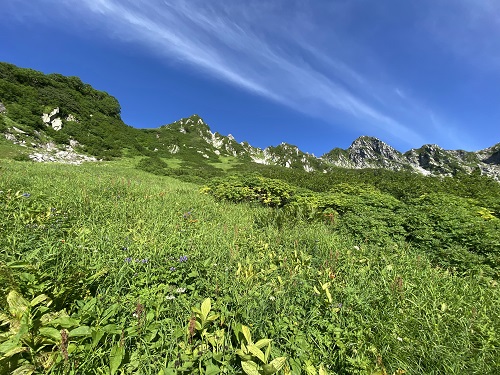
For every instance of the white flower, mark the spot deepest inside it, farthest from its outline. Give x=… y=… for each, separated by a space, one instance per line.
x=170 y=297
x=180 y=290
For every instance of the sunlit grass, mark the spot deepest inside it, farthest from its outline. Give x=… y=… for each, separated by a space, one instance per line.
x=108 y=233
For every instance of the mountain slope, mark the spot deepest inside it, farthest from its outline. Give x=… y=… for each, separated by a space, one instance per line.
x=52 y=116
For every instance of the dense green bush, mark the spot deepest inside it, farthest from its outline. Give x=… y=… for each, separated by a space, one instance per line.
x=269 y=192
x=456 y=232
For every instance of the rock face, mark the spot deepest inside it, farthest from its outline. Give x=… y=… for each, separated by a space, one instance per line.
x=286 y=155
x=369 y=152
x=2 y=108
x=50 y=152
x=51 y=119
x=72 y=118
x=364 y=152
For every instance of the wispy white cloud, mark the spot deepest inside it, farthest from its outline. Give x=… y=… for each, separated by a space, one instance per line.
x=254 y=46
x=468 y=28
x=276 y=49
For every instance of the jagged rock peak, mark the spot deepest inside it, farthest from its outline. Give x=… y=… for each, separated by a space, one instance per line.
x=370 y=148
x=193 y=123
x=490 y=155
x=375 y=145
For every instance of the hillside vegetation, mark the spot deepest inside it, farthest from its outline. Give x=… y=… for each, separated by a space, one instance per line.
x=103 y=266
x=194 y=262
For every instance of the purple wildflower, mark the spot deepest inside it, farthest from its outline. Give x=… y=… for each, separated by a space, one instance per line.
x=128 y=260
x=183 y=258
x=26 y=195
x=172 y=268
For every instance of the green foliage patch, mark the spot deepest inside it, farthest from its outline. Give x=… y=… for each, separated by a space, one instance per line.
x=128 y=272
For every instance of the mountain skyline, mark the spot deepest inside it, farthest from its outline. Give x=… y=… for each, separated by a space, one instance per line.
x=313 y=75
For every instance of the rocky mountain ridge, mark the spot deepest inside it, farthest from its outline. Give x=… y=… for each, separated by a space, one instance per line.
x=58 y=118
x=364 y=152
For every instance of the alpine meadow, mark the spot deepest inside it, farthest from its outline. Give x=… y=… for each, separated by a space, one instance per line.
x=179 y=250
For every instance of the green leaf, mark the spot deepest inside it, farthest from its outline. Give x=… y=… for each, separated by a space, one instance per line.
x=197 y=326
x=256 y=352
x=268 y=353
x=14 y=351
x=50 y=332
x=64 y=322
x=9 y=345
x=310 y=369
x=206 y=306
x=197 y=311
x=262 y=342
x=322 y=370
x=97 y=336
x=250 y=368
x=116 y=358
x=211 y=369
x=112 y=328
x=27 y=369
x=80 y=331
x=278 y=363
x=328 y=295
x=211 y=318
x=110 y=311
x=246 y=332
x=17 y=304
x=193 y=274
x=38 y=299
x=4 y=319
x=244 y=356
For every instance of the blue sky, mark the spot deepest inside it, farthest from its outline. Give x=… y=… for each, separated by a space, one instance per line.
x=314 y=73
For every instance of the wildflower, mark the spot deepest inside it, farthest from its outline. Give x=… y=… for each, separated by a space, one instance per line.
x=192 y=326
x=139 y=311
x=272 y=298
x=183 y=258
x=145 y=260
x=356 y=248
x=124 y=248
x=172 y=269
x=400 y=339
x=128 y=260
x=64 y=344
x=180 y=290
x=26 y=195
x=170 y=297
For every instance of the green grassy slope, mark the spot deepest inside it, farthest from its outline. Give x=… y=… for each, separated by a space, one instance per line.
x=124 y=256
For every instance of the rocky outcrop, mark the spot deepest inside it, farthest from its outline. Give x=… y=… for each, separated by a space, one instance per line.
x=288 y=156
x=490 y=155
x=2 y=108
x=369 y=152
x=52 y=119
x=71 y=118
x=50 y=152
